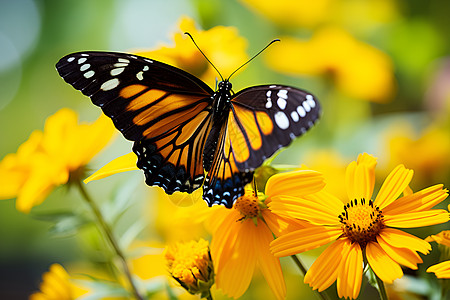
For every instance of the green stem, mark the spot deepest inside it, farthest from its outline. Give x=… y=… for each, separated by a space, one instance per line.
x=321 y=295
x=111 y=239
x=381 y=288
x=209 y=297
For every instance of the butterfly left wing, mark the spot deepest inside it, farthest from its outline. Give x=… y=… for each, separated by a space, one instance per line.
x=164 y=110
x=266 y=118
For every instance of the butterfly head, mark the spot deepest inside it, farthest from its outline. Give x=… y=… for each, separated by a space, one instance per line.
x=225 y=86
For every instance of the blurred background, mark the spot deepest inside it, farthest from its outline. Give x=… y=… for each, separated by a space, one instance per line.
x=380 y=68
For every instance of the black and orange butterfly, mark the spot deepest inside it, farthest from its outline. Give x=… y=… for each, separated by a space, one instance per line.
x=185 y=134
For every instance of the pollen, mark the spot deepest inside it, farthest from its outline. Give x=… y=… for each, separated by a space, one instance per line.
x=191 y=265
x=248 y=205
x=361 y=221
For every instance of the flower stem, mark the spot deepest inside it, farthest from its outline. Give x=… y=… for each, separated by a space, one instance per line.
x=321 y=295
x=110 y=237
x=381 y=289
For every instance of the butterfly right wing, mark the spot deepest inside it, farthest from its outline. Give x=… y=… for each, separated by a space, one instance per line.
x=164 y=110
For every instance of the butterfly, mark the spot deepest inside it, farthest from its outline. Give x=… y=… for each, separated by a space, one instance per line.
x=185 y=134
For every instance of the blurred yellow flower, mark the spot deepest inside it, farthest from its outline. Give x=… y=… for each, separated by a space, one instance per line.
x=441 y=270
x=360 y=227
x=357 y=69
x=241 y=235
x=292 y=13
x=426 y=152
x=56 y=285
x=52 y=157
x=222 y=45
x=190 y=264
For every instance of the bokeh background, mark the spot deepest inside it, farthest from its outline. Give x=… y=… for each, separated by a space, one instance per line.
x=380 y=68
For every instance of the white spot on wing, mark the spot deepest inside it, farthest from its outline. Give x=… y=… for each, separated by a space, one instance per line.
x=120 y=65
x=281 y=103
x=82 y=60
x=139 y=75
x=84 y=54
x=282 y=94
x=311 y=101
x=110 y=84
x=123 y=60
x=89 y=74
x=282 y=120
x=273 y=86
x=268 y=93
x=117 y=71
x=301 y=111
x=306 y=106
x=71 y=59
x=146 y=68
x=84 y=67
x=269 y=103
x=294 y=116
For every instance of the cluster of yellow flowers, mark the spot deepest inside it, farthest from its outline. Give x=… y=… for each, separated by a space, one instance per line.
x=298 y=211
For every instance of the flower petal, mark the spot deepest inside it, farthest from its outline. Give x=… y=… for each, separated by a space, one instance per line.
x=303 y=240
x=350 y=271
x=417 y=219
x=123 y=163
x=399 y=239
x=360 y=177
x=304 y=209
x=382 y=264
x=280 y=225
x=442 y=238
x=296 y=183
x=324 y=270
x=441 y=270
x=419 y=201
x=394 y=184
x=403 y=256
x=237 y=269
x=269 y=264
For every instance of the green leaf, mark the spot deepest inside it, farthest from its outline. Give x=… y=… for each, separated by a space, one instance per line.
x=65 y=223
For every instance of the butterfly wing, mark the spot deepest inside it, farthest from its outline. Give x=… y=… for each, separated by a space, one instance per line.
x=164 y=110
x=224 y=183
x=266 y=118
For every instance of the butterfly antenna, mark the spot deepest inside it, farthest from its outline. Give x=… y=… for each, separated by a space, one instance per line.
x=275 y=40
x=187 y=33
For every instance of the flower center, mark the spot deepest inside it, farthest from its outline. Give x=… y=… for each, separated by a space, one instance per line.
x=248 y=205
x=361 y=221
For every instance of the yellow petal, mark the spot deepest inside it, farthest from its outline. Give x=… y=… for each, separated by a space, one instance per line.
x=324 y=270
x=186 y=199
x=417 y=219
x=123 y=163
x=304 y=239
x=442 y=270
x=419 y=201
x=269 y=264
x=360 y=177
x=304 y=209
x=401 y=239
x=384 y=267
x=235 y=275
x=403 y=256
x=442 y=238
x=350 y=271
x=296 y=183
x=395 y=183
x=280 y=225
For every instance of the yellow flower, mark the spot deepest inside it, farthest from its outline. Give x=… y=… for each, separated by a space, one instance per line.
x=51 y=158
x=222 y=45
x=442 y=270
x=292 y=13
x=426 y=152
x=361 y=226
x=357 y=69
x=241 y=235
x=190 y=264
x=56 y=285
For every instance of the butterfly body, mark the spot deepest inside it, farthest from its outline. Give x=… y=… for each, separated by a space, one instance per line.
x=186 y=135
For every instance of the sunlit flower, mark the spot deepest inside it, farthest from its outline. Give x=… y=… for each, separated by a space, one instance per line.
x=222 y=45
x=241 y=235
x=426 y=152
x=442 y=270
x=190 y=264
x=56 y=285
x=51 y=157
x=357 y=69
x=361 y=227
